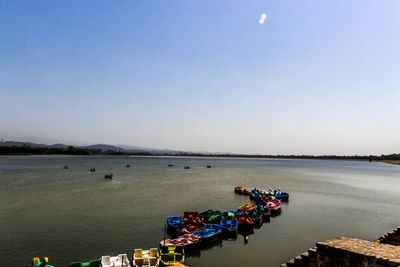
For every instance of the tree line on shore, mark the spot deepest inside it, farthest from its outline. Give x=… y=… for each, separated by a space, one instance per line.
x=29 y=150
x=72 y=150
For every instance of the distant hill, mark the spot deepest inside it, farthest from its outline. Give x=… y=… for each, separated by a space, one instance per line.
x=91 y=149
x=34 y=145
x=30 y=139
x=30 y=148
x=103 y=148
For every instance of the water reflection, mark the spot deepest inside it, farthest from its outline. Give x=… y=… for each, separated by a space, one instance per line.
x=246 y=233
x=243 y=232
x=76 y=215
x=195 y=251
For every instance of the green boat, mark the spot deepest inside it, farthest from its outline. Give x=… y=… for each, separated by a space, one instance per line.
x=172 y=255
x=228 y=215
x=211 y=216
x=92 y=263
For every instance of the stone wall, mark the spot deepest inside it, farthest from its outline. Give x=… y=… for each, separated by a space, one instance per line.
x=392 y=238
x=348 y=252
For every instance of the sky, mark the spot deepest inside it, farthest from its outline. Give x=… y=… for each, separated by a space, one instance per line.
x=259 y=77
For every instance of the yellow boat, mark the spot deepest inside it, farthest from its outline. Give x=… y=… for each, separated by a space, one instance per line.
x=172 y=255
x=247 y=207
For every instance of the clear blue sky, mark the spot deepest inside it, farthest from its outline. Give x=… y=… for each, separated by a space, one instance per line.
x=318 y=77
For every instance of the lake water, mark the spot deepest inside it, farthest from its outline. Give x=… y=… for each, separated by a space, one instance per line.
x=74 y=215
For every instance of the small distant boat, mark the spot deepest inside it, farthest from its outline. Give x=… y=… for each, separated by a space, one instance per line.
x=108 y=176
x=241 y=190
x=229 y=225
x=121 y=260
x=172 y=255
x=37 y=262
x=66 y=167
x=209 y=166
x=127 y=165
x=209 y=232
x=146 y=258
x=92 y=263
x=174 y=223
x=92 y=169
x=186 y=240
x=186 y=167
x=170 y=165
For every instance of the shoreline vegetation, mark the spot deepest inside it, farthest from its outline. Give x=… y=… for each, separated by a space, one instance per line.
x=24 y=148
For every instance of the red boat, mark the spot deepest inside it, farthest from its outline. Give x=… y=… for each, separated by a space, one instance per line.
x=244 y=220
x=241 y=190
x=183 y=240
x=268 y=198
x=192 y=222
x=190 y=215
x=274 y=206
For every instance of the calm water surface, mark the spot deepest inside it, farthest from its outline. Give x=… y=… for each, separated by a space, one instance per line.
x=74 y=215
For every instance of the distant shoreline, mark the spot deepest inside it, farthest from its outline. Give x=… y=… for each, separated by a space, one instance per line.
x=26 y=149
x=215 y=156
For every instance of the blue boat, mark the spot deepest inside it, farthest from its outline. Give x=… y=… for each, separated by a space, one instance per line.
x=229 y=225
x=282 y=196
x=261 y=208
x=209 y=232
x=174 y=223
x=255 y=194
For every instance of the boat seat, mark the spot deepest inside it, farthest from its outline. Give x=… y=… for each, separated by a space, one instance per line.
x=105 y=261
x=153 y=255
x=138 y=262
x=123 y=259
x=153 y=252
x=138 y=253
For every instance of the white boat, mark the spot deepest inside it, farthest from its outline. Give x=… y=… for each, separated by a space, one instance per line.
x=115 y=261
x=146 y=258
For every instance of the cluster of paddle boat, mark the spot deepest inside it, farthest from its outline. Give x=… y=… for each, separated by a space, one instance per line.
x=153 y=257
x=193 y=229
x=260 y=194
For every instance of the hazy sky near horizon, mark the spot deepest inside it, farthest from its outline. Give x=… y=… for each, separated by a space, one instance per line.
x=317 y=77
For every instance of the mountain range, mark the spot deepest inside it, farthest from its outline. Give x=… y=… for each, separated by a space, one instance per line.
x=99 y=147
